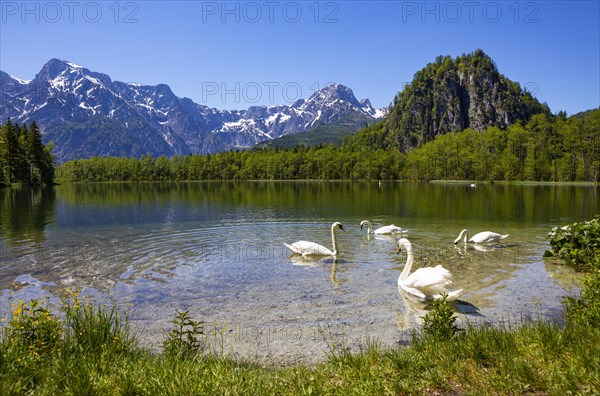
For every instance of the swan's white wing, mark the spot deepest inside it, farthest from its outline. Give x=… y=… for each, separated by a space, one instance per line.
x=412 y=290
x=426 y=277
x=433 y=285
x=292 y=248
x=487 y=236
x=453 y=295
x=306 y=248
x=389 y=229
x=435 y=293
x=430 y=281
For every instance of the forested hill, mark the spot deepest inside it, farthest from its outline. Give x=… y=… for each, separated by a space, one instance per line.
x=450 y=96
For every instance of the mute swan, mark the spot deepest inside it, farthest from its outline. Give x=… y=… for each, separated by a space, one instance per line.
x=389 y=229
x=482 y=237
x=425 y=282
x=306 y=248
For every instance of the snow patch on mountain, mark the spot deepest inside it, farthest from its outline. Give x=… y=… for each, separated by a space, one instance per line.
x=20 y=81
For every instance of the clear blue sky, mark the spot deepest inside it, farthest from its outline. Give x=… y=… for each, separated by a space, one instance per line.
x=231 y=55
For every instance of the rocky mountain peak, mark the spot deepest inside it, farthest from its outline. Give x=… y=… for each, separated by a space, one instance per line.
x=53 y=69
x=62 y=74
x=332 y=93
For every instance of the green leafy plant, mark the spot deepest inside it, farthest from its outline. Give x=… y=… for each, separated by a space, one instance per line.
x=439 y=322
x=33 y=328
x=578 y=244
x=184 y=339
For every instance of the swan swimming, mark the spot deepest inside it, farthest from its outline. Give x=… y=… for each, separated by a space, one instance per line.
x=389 y=229
x=306 y=248
x=482 y=237
x=428 y=282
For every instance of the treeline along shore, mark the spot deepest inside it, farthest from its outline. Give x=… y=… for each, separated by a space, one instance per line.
x=547 y=148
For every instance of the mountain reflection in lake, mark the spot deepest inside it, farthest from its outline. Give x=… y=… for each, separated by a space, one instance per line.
x=217 y=250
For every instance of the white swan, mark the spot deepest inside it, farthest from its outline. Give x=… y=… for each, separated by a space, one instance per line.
x=428 y=282
x=389 y=229
x=482 y=237
x=306 y=248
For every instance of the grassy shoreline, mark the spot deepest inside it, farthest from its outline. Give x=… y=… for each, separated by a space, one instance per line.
x=90 y=348
x=541 y=358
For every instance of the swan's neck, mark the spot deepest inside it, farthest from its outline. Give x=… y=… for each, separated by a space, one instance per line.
x=409 y=262
x=368 y=224
x=466 y=236
x=333 y=241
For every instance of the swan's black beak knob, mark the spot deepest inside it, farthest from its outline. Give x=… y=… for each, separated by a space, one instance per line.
x=399 y=249
x=361 y=227
x=341 y=227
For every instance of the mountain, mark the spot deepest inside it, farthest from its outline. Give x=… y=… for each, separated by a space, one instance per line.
x=87 y=114
x=450 y=95
x=319 y=134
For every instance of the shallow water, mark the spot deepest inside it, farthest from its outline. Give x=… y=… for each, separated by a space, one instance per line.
x=217 y=250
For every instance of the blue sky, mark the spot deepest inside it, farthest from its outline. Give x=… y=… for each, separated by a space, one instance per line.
x=231 y=55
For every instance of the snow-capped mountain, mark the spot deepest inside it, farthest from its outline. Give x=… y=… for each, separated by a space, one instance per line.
x=86 y=114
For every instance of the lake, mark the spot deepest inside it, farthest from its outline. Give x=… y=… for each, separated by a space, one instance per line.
x=216 y=249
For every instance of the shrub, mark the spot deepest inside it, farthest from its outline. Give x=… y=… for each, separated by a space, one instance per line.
x=586 y=309
x=183 y=340
x=578 y=244
x=439 y=322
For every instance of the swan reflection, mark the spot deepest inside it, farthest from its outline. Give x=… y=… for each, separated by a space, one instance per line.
x=463 y=250
x=411 y=312
x=307 y=261
x=483 y=248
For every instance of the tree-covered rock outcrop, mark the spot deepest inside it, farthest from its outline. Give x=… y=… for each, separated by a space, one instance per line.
x=450 y=96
